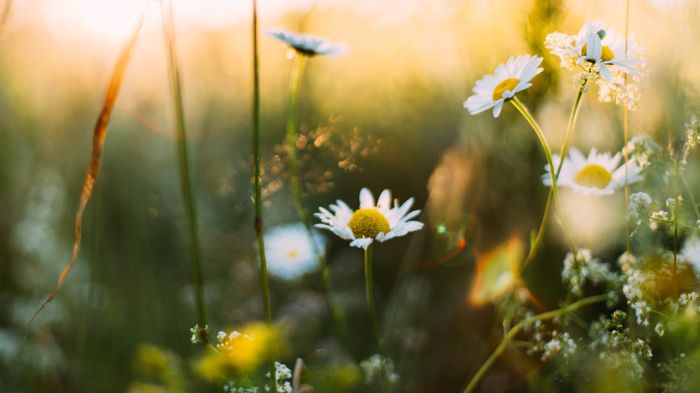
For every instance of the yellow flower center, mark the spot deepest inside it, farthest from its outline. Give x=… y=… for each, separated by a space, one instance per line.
x=505 y=85
x=293 y=253
x=606 y=55
x=368 y=222
x=593 y=175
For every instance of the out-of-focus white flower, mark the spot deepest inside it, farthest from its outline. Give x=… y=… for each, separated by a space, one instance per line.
x=376 y=367
x=291 y=252
x=371 y=221
x=598 y=174
x=691 y=252
x=510 y=78
x=308 y=45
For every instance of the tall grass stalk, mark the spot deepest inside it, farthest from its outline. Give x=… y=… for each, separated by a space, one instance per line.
x=508 y=338
x=292 y=137
x=183 y=164
x=553 y=170
x=257 y=184
x=625 y=137
x=99 y=136
x=573 y=116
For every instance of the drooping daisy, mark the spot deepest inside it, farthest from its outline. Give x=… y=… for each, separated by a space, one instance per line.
x=596 y=48
x=604 y=47
x=510 y=78
x=291 y=252
x=598 y=174
x=308 y=45
x=371 y=221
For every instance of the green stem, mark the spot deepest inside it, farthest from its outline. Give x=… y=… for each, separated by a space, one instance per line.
x=369 y=291
x=257 y=185
x=625 y=137
x=293 y=133
x=548 y=153
x=186 y=188
x=573 y=116
x=521 y=325
x=295 y=185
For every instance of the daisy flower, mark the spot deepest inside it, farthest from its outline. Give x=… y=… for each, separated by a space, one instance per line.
x=371 y=221
x=509 y=79
x=291 y=252
x=598 y=174
x=600 y=47
x=604 y=47
x=308 y=45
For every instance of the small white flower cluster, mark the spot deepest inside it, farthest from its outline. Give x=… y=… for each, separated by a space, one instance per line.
x=225 y=340
x=632 y=289
x=196 y=333
x=640 y=149
x=377 y=367
x=611 y=340
x=638 y=207
x=232 y=387
x=577 y=271
x=656 y=217
x=692 y=137
x=602 y=56
x=283 y=375
x=559 y=343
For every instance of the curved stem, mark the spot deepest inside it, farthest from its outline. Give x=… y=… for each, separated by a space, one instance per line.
x=369 y=291
x=548 y=153
x=521 y=325
x=295 y=185
x=573 y=116
x=186 y=188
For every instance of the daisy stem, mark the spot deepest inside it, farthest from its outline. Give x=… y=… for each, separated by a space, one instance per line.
x=295 y=185
x=573 y=116
x=508 y=338
x=186 y=188
x=293 y=133
x=257 y=184
x=548 y=153
x=369 y=290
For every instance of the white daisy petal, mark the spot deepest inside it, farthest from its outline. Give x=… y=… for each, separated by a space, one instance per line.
x=366 y=198
x=371 y=221
x=508 y=79
x=598 y=174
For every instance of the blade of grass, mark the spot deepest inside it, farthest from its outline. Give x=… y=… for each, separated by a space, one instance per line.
x=257 y=183
x=181 y=137
x=98 y=141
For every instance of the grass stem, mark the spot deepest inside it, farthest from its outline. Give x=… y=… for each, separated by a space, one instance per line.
x=474 y=381
x=257 y=184
x=183 y=163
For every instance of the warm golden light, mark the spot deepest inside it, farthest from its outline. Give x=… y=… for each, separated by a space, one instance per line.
x=497 y=271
